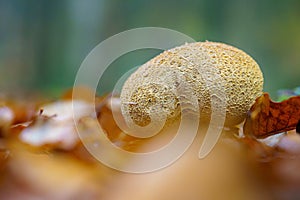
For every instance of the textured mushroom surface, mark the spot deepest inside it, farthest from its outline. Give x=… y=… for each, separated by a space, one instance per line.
x=200 y=66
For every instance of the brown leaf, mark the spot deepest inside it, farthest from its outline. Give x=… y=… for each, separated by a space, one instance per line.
x=267 y=118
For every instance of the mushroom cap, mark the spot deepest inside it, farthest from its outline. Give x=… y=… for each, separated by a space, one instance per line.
x=199 y=68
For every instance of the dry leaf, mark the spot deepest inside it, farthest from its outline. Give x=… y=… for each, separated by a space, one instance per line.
x=55 y=126
x=267 y=118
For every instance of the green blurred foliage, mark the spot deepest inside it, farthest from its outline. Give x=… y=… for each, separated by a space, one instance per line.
x=286 y=94
x=43 y=42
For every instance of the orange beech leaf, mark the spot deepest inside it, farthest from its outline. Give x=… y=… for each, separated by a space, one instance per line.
x=267 y=118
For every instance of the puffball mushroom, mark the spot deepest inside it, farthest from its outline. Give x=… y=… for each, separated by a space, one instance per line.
x=153 y=82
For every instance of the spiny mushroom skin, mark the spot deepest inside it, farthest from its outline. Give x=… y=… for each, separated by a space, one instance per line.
x=154 y=83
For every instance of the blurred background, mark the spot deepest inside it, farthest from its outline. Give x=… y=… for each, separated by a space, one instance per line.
x=43 y=42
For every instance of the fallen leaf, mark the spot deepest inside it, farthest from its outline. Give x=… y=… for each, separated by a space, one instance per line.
x=54 y=126
x=267 y=118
